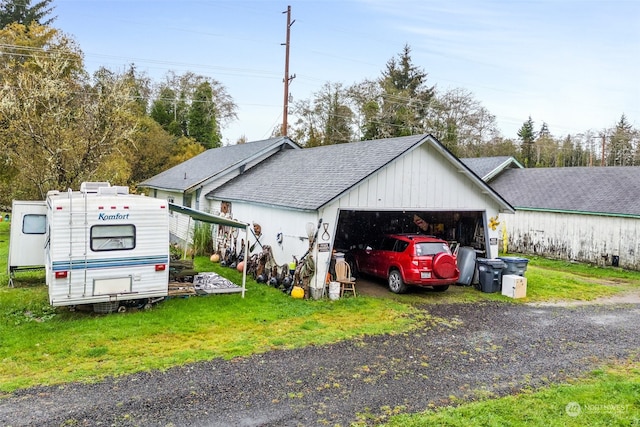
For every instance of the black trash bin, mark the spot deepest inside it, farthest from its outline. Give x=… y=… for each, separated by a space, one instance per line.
x=514 y=265
x=490 y=274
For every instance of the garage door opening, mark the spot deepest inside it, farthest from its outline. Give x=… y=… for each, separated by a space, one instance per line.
x=359 y=229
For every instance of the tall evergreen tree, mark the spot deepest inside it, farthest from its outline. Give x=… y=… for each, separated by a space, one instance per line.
x=22 y=12
x=164 y=111
x=620 y=148
x=405 y=97
x=527 y=136
x=202 y=123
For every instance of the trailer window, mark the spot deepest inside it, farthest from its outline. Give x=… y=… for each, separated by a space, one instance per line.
x=113 y=237
x=34 y=224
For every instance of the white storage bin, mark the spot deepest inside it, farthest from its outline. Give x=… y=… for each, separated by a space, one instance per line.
x=514 y=286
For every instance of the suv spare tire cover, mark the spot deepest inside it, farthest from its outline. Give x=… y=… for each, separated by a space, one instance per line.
x=444 y=266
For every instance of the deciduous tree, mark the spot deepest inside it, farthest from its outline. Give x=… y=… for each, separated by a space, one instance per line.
x=325 y=120
x=59 y=126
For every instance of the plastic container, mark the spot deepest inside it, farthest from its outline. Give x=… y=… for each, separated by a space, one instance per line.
x=334 y=291
x=466 y=260
x=514 y=286
x=490 y=274
x=514 y=265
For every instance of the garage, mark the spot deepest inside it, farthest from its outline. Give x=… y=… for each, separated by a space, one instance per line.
x=354 y=193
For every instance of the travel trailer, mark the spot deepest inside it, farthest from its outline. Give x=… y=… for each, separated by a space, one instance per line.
x=102 y=246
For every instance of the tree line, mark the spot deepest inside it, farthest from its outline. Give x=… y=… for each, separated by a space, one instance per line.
x=400 y=103
x=60 y=126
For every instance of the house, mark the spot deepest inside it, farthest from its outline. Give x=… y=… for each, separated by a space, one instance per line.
x=586 y=214
x=349 y=194
x=187 y=183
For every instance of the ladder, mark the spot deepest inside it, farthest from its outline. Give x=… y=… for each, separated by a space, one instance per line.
x=83 y=226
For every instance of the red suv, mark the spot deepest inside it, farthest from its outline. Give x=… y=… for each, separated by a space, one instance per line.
x=409 y=259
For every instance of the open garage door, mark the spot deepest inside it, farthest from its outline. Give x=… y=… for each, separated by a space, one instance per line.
x=361 y=228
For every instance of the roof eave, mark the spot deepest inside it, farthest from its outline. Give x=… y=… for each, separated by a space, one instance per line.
x=569 y=211
x=504 y=165
x=505 y=207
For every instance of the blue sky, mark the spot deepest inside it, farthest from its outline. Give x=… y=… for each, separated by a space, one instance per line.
x=574 y=64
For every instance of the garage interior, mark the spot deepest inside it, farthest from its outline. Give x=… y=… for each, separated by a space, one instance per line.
x=358 y=228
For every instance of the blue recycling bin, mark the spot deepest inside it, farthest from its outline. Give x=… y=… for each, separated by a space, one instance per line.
x=514 y=265
x=490 y=274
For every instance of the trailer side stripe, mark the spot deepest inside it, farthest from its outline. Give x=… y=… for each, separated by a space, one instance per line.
x=81 y=264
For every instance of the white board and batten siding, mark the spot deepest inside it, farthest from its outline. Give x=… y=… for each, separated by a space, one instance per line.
x=592 y=239
x=420 y=180
x=90 y=259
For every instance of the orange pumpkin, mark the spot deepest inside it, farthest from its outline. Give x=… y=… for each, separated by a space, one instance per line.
x=240 y=266
x=215 y=258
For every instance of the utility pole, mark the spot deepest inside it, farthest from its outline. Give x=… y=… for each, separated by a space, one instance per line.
x=287 y=79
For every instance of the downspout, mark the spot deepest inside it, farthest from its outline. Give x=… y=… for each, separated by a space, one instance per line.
x=198 y=192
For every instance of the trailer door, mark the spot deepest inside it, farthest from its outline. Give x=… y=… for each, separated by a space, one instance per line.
x=28 y=234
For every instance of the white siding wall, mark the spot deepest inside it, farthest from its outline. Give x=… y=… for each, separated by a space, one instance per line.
x=292 y=225
x=422 y=179
x=584 y=238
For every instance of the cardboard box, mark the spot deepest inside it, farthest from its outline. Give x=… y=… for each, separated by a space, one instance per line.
x=514 y=286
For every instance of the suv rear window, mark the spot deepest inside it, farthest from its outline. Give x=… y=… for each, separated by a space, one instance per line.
x=431 y=248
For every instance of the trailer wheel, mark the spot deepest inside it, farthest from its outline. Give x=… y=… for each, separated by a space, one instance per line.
x=148 y=306
x=122 y=309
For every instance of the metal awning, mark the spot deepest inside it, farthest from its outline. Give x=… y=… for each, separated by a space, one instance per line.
x=220 y=220
x=207 y=217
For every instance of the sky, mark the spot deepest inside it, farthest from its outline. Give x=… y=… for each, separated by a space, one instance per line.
x=573 y=64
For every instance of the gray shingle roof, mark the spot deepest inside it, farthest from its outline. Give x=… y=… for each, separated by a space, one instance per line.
x=487 y=167
x=208 y=164
x=309 y=178
x=608 y=190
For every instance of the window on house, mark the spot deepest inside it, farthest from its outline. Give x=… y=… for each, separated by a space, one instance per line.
x=113 y=237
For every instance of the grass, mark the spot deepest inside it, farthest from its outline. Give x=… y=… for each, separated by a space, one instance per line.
x=550 y=280
x=43 y=345
x=606 y=397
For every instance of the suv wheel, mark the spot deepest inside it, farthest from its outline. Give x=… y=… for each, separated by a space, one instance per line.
x=396 y=284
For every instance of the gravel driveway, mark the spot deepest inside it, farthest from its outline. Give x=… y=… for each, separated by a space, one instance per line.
x=487 y=347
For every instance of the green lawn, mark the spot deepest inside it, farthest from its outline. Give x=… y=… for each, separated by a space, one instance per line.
x=606 y=397
x=43 y=345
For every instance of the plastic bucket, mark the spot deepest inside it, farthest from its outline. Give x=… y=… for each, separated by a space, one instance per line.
x=334 y=290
